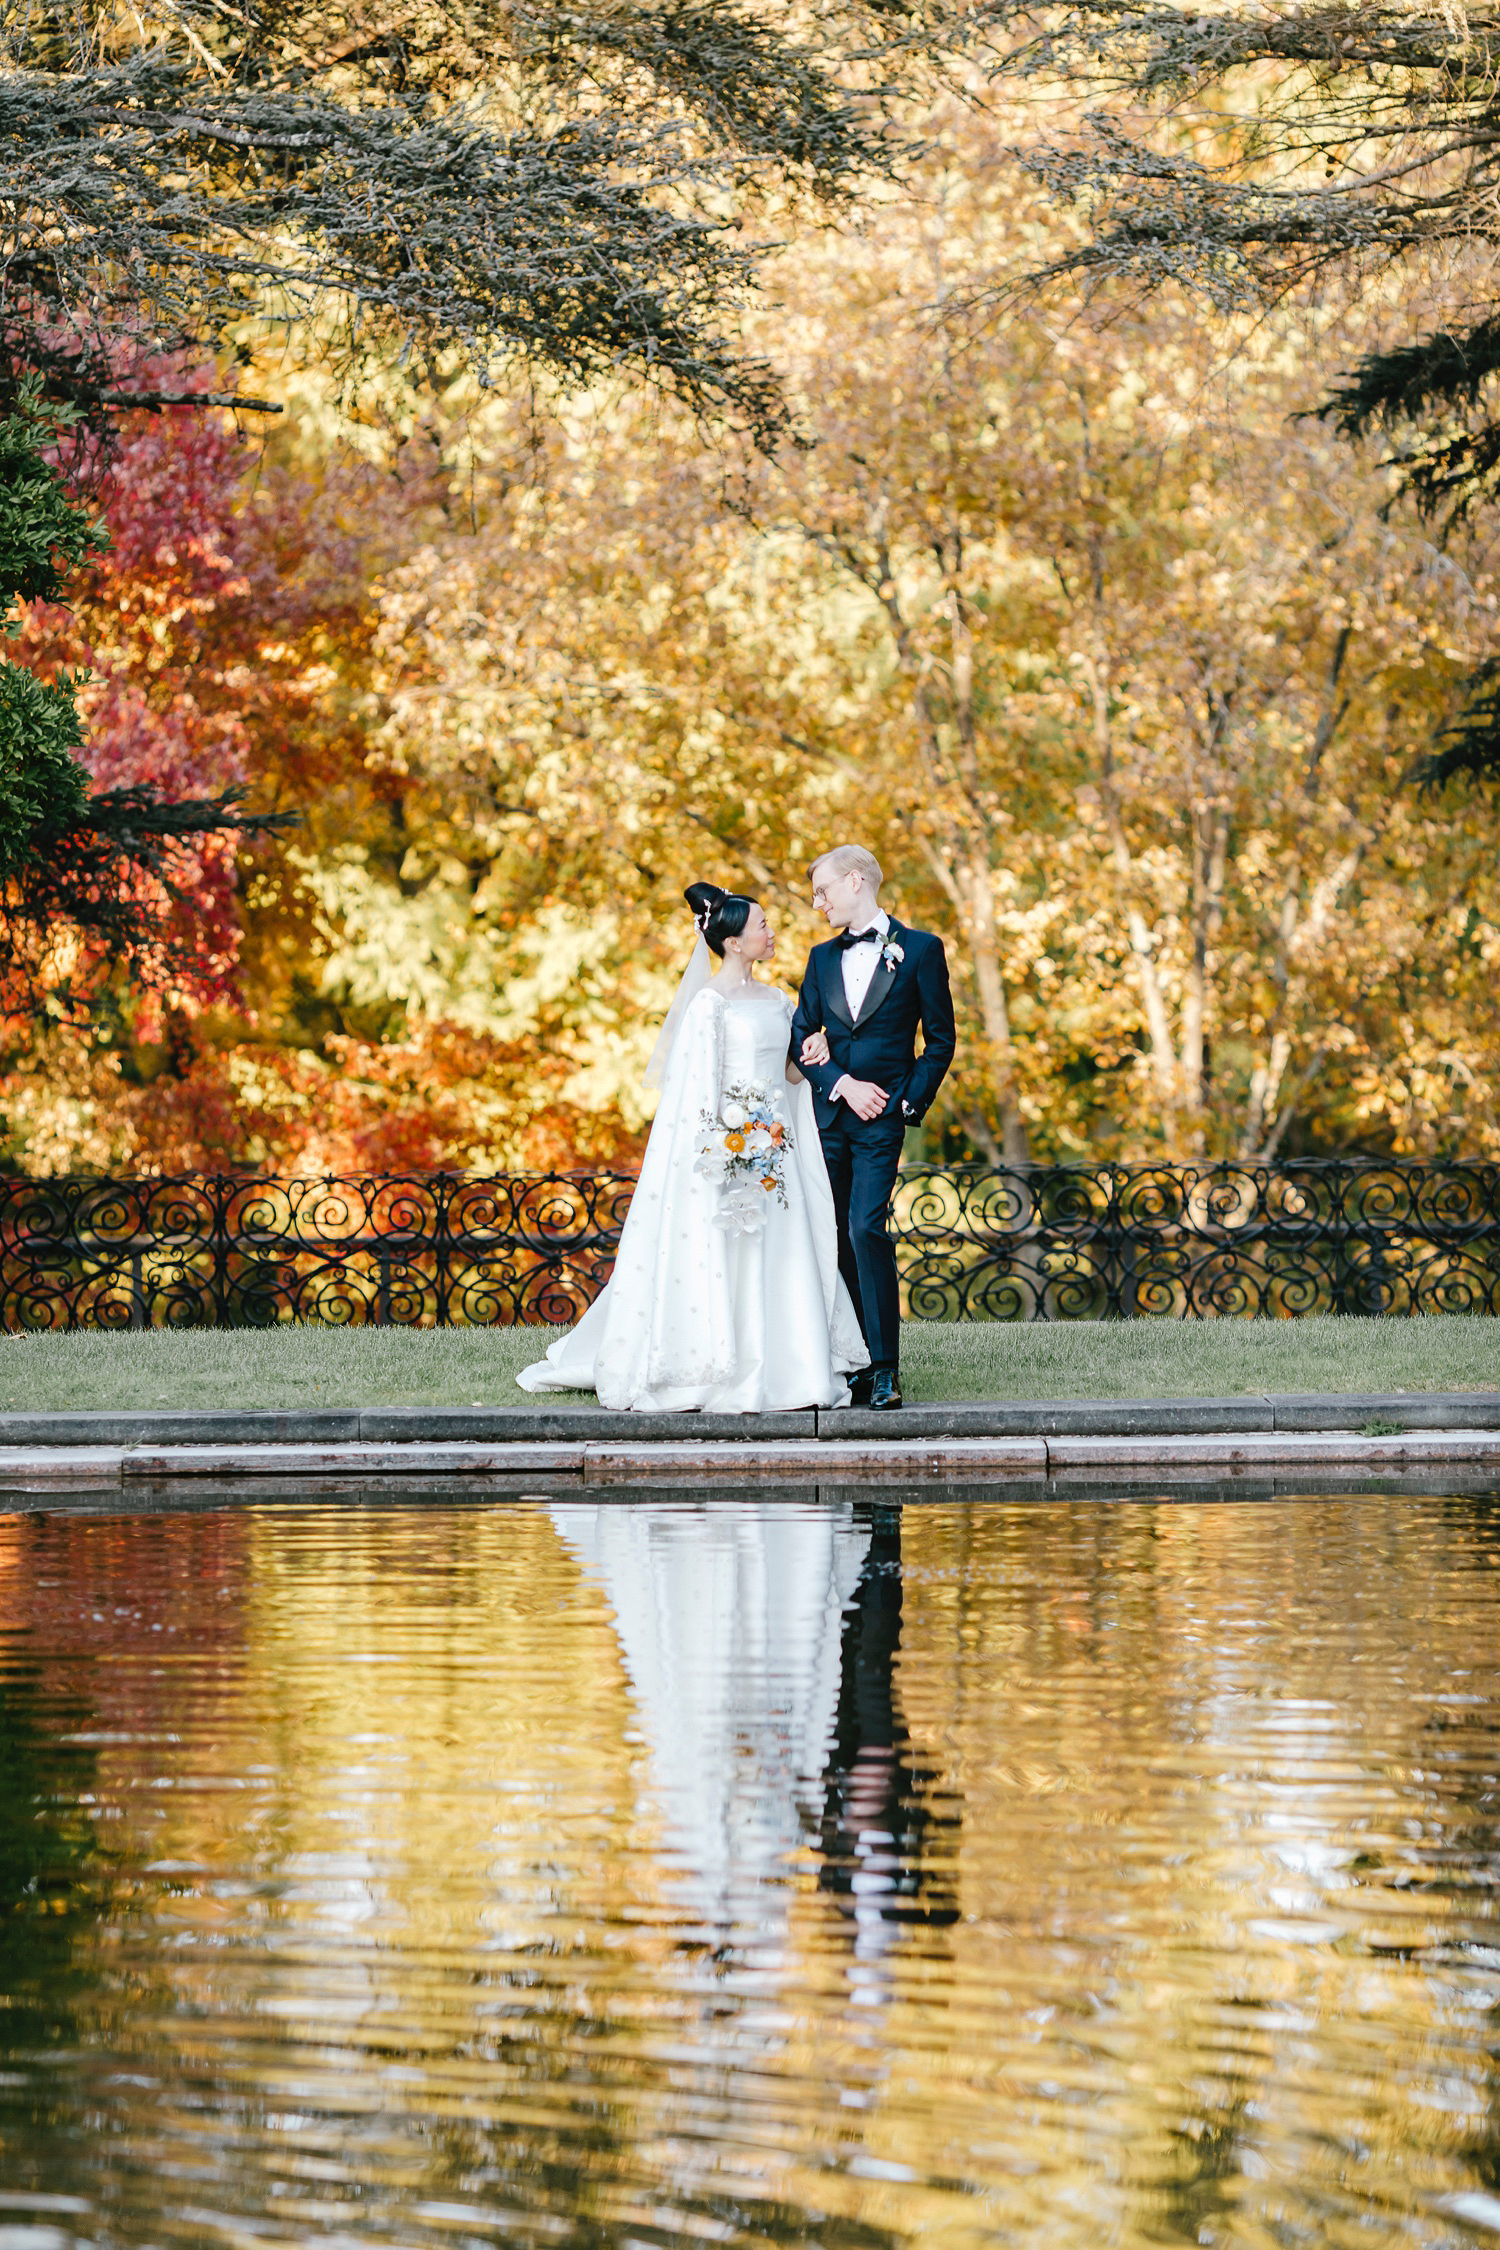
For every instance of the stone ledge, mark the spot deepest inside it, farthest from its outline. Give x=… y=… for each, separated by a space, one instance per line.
x=22 y=1467
x=1073 y=1417
x=320 y=1425
x=1282 y=1449
x=872 y=1462
x=425 y=1461
x=1171 y=1417
x=555 y=1424
x=1144 y=1462
x=1416 y=1410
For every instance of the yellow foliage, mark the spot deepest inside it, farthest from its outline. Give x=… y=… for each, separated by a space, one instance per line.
x=1121 y=665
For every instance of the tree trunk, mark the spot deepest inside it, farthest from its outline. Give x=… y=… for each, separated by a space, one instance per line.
x=966 y=879
x=1161 y=1052
x=1210 y=866
x=995 y=1012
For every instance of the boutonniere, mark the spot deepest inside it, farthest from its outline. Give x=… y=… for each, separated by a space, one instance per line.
x=890 y=954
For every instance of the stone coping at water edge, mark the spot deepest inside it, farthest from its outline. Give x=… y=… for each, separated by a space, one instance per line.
x=570 y=1444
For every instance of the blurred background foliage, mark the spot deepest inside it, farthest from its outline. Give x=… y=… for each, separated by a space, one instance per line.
x=1126 y=664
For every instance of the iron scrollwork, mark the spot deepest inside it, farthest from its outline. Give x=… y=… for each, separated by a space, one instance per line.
x=1194 y=1242
x=419 y=1250
x=1036 y=1242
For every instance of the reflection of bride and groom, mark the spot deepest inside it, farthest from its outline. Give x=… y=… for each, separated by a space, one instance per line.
x=761 y=1645
x=755 y=1270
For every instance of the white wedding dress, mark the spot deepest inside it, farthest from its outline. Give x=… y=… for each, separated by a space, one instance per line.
x=696 y=1315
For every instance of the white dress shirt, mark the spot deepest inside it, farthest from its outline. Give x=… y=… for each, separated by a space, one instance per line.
x=861 y=961
x=859 y=965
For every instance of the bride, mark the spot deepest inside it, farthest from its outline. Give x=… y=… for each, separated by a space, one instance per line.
x=726 y=1294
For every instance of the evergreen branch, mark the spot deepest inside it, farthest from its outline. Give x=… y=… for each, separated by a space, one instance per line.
x=1399 y=385
x=117 y=875
x=1472 y=742
x=1399 y=106
x=562 y=248
x=561 y=182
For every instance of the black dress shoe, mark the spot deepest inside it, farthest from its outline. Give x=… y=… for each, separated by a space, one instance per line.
x=885 y=1390
x=859 y=1386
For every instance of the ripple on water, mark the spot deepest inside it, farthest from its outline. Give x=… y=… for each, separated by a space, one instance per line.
x=766 y=1872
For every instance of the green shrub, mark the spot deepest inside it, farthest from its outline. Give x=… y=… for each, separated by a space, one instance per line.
x=43 y=788
x=43 y=537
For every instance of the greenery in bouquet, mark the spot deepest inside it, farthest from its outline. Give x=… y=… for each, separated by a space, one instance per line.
x=744 y=1151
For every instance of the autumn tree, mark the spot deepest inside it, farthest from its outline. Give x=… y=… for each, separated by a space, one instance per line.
x=334 y=1000
x=1120 y=669
x=1257 y=155
x=93 y=879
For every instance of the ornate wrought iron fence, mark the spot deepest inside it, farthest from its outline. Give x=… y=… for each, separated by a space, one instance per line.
x=1040 y=1242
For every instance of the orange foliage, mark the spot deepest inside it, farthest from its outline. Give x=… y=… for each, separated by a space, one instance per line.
x=445 y=1100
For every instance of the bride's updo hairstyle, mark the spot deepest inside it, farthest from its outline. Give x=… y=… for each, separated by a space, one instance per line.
x=718 y=914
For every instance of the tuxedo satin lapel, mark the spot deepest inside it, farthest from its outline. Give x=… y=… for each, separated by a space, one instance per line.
x=880 y=984
x=832 y=988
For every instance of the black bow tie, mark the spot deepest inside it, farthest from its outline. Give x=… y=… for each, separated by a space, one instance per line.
x=858 y=937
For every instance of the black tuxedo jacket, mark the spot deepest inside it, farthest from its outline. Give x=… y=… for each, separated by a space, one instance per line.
x=881 y=1044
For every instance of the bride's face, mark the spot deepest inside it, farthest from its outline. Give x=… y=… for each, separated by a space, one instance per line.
x=756 y=941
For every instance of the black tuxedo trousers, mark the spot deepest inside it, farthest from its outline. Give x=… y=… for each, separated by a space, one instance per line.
x=862 y=1161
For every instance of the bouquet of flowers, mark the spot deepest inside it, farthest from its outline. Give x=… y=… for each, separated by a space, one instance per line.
x=743 y=1151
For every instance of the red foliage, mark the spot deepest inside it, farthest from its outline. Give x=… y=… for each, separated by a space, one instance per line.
x=197 y=627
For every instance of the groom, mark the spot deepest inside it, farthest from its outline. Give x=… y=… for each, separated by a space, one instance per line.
x=854 y=1036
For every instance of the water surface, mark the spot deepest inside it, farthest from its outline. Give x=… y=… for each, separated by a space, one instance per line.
x=765 y=1872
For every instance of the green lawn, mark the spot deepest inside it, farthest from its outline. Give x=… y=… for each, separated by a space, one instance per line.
x=476 y=1366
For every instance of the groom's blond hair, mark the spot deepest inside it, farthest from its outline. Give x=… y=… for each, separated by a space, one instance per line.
x=851 y=859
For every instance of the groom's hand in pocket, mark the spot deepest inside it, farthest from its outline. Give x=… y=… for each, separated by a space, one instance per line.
x=815 y=1049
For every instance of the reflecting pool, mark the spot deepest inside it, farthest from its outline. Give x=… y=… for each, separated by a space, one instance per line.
x=760 y=1871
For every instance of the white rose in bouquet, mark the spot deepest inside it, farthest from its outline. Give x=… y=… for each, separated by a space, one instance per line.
x=742 y=1209
x=732 y=1115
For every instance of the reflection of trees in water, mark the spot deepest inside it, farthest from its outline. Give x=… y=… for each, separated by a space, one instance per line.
x=1457 y=1759
x=887 y=1844
x=46 y=1841
x=590 y=2195
x=77 y=1595
x=493 y=1975
x=52 y=1889
x=1201 y=2199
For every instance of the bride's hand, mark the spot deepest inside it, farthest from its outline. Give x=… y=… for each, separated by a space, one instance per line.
x=815 y=1048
